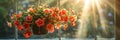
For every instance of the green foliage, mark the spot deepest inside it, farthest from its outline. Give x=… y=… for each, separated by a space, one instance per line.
x=2 y=11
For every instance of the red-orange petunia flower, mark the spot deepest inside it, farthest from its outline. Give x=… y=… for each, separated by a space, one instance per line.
x=58 y=18
x=27 y=34
x=73 y=24
x=31 y=10
x=16 y=23
x=19 y=15
x=26 y=25
x=63 y=12
x=73 y=18
x=9 y=24
x=12 y=16
x=53 y=14
x=39 y=22
x=46 y=11
x=29 y=18
x=19 y=28
x=57 y=26
x=51 y=11
x=57 y=9
x=65 y=27
x=50 y=27
x=65 y=18
x=60 y=14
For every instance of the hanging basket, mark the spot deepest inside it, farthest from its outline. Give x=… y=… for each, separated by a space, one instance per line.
x=41 y=20
x=39 y=30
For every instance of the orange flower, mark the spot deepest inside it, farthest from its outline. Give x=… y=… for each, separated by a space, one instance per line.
x=52 y=8
x=65 y=27
x=50 y=27
x=51 y=11
x=57 y=26
x=57 y=9
x=46 y=11
x=53 y=14
x=26 y=25
x=63 y=12
x=19 y=15
x=65 y=18
x=12 y=16
x=27 y=34
x=19 y=28
x=29 y=18
x=16 y=23
x=9 y=24
x=73 y=24
x=58 y=18
x=31 y=10
x=73 y=18
x=39 y=22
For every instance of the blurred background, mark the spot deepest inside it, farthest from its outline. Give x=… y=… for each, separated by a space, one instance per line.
x=95 y=18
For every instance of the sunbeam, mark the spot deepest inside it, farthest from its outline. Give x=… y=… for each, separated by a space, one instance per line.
x=93 y=10
x=103 y=20
x=84 y=22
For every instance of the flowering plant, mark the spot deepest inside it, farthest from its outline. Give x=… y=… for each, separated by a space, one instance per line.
x=44 y=18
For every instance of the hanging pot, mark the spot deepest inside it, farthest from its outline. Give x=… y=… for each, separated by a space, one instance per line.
x=39 y=30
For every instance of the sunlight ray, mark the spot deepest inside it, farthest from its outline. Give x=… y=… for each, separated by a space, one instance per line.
x=82 y=33
x=103 y=20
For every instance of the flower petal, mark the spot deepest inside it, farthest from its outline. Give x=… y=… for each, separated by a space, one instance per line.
x=50 y=27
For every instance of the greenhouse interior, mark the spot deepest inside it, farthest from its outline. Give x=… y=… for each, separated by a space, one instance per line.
x=57 y=20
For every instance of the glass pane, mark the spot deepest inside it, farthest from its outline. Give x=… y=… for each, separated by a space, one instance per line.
x=94 y=19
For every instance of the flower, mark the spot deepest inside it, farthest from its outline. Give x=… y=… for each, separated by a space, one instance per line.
x=50 y=27
x=73 y=24
x=58 y=18
x=39 y=22
x=65 y=18
x=73 y=18
x=9 y=24
x=19 y=28
x=57 y=9
x=58 y=26
x=65 y=27
x=12 y=16
x=29 y=18
x=53 y=14
x=46 y=11
x=44 y=19
x=63 y=12
x=27 y=34
x=16 y=23
x=26 y=25
x=19 y=15
x=31 y=10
